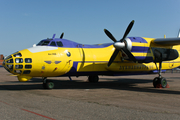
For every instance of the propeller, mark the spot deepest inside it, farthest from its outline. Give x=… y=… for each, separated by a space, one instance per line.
x=62 y=35
x=121 y=44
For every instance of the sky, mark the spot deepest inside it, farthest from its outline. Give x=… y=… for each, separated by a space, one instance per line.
x=26 y=22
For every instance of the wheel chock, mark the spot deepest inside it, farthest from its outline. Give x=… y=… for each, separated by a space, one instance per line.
x=160 y=86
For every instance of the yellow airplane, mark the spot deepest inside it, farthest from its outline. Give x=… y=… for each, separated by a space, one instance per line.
x=58 y=57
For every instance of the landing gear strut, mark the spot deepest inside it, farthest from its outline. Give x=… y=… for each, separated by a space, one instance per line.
x=93 y=78
x=47 y=84
x=161 y=81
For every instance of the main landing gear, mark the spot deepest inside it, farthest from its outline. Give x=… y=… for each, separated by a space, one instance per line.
x=93 y=78
x=47 y=84
x=159 y=81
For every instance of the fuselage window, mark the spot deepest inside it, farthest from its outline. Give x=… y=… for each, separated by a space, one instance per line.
x=19 y=60
x=17 y=55
x=26 y=72
x=28 y=66
x=10 y=67
x=9 y=61
x=59 y=43
x=18 y=71
x=8 y=57
x=18 y=66
x=53 y=43
x=28 y=60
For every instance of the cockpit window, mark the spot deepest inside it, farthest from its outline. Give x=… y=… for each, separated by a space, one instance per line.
x=43 y=43
x=59 y=43
x=53 y=43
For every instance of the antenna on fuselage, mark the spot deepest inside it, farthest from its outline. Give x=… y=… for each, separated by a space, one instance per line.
x=62 y=35
x=178 y=34
x=53 y=36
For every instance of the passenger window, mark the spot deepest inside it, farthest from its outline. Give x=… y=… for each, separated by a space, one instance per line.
x=28 y=60
x=19 y=60
x=59 y=43
x=26 y=72
x=28 y=66
x=53 y=43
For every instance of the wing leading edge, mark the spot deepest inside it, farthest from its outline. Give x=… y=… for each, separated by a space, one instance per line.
x=167 y=41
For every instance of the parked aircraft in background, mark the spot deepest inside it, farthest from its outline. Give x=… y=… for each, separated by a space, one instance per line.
x=58 y=57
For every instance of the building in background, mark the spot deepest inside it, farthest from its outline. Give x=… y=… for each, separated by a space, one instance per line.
x=1 y=60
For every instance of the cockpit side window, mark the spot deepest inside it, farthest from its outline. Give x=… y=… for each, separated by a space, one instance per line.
x=43 y=43
x=53 y=43
x=59 y=43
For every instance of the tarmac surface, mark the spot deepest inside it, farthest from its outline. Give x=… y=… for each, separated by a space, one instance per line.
x=117 y=98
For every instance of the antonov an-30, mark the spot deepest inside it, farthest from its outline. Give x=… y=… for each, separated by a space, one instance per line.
x=58 y=57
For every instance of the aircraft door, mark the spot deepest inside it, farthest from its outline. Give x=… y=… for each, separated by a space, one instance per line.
x=86 y=58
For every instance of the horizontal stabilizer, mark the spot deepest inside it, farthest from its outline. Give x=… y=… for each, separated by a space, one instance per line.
x=167 y=41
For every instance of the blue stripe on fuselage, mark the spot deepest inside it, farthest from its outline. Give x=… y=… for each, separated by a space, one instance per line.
x=137 y=39
x=140 y=49
x=72 y=44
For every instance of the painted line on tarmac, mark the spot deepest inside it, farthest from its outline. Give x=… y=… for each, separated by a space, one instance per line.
x=28 y=111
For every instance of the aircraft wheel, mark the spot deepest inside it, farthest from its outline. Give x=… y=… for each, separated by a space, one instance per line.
x=155 y=81
x=93 y=78
x=48 y=85
x=163 y=82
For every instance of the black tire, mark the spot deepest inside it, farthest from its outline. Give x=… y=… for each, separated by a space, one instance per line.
x=155 y=81
x=48 y=85
x=163 y=82
x=93 y=78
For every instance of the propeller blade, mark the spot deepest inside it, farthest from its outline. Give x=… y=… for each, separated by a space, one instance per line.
x=129 y=54
x=62 y=35
x=122 y=45
x=110 y=35
x=113 y=57
x=128 y=30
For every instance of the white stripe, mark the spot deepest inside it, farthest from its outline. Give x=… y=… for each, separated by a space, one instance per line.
x=41 y=48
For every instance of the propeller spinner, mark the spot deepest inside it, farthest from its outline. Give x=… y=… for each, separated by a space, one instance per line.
x=121 y=45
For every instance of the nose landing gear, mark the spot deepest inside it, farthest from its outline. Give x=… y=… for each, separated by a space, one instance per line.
x=47 y=84
x=93 y=78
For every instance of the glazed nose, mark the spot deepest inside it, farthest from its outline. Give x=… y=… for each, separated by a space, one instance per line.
x=8 y=63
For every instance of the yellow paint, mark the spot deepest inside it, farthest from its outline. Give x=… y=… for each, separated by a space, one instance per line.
x=22 y=78
x=88 y=59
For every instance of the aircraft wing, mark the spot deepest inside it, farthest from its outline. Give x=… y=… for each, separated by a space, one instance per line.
x=167 y=41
